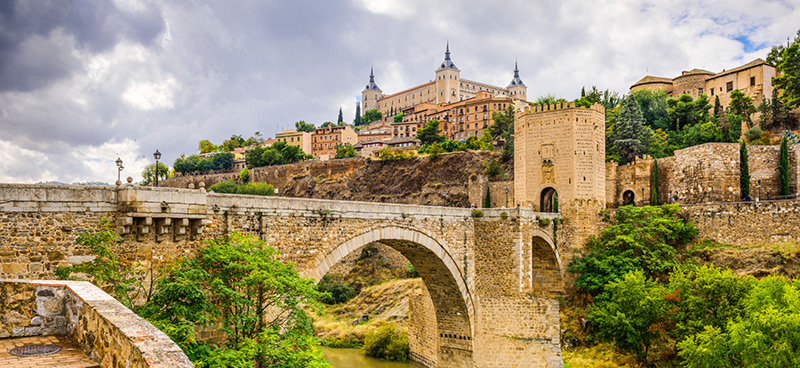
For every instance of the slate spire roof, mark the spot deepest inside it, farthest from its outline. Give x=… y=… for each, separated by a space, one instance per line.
x=372 y=84
x=447 y=63
x=516 y=81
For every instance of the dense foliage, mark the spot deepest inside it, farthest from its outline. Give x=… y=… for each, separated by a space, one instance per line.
x=279 y=153
x=637 y=239
x=335 y=289
x=345 y=150
x=194 y=163
x=371 y=115
x=388 y=343
x=783 y=168
x=229 y=186
x=149 y=173
x=302 y=126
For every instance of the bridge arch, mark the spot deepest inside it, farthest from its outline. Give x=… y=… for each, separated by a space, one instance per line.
x=452 y=299
x=546 y=267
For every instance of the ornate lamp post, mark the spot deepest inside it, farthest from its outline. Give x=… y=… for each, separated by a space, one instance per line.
x=119 y=170
x=157 y=156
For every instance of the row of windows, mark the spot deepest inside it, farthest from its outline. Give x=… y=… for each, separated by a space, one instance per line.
x=327 y=137
x=291 y=139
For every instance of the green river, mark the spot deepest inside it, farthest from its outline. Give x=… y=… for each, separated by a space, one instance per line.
x=354 y=358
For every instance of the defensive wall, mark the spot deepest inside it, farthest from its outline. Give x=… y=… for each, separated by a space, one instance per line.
x=707 y=173
x=106 y=331
x=491 y=279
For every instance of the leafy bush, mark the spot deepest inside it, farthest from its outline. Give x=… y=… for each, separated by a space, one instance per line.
x=387 y=343
x=244 y=175
x=411 y=271
x=638 y=238
x=753 y=134
x=229 y=186
x=194 y=163
x=477 y=213
x=492 y=168
x=345 y=150
x=335 y=290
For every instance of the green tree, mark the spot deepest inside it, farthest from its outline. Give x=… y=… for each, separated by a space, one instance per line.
x=744 y=172
x=659 y=145
x=206 y=146
x=244 y=175
x=372 y=115
x=235 y=141
x=765 y=335
x=742 y=105
x=149 y=173
x=117 y=275
x=260 y=302
x=685 y=111
x=774 y=113
x=399 y=118
x=717 y=107
x=345 y=150
x=654 y=185
x=327 y=124
x=430 y=133
x=775 y=56
x=653 y=105
x=630 y=134
x=549 y=99
x=632 y=314
x=357 y=121
x=637 y=238
x=783 y=167
x=503 y=128
x=789 y=80
x=487 y=199
x=302 y=126
x=340 y=119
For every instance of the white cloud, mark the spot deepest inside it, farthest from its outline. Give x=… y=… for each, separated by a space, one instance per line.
x=151 y=95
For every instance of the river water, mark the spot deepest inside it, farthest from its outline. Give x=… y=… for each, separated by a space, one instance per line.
x=354 y=358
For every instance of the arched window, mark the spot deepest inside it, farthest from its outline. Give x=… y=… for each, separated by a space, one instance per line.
x=549 y=200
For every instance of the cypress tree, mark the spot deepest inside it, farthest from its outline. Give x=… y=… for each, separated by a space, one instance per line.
x=744 y=172
x=341 y=118
x=487 y=200
x=654 y=185
x=583 y=91
x=783 y=167
x=357 y=120
x=717 y=107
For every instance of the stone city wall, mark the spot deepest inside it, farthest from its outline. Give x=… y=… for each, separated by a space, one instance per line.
x=747 y=224
x=706 y=173
x=100 y=326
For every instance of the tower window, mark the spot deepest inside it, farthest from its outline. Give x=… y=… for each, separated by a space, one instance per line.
x=752 y=81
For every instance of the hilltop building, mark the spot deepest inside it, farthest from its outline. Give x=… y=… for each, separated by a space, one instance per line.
x=325 y=140
x=447 y=87
x=754 y=79
x=294 y=138
x=463 y=107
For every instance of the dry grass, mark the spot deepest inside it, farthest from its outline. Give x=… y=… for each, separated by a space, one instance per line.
x=598 y=356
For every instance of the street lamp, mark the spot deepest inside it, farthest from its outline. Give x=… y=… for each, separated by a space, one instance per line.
x=119 y=170
x=506 y=197
x=157 y=156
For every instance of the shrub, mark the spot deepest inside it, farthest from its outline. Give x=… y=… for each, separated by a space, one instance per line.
x=492 y=168
x=753 y=134
x=544 y=222
x=336 y=290
x=477 y=213
x=504 y=215
x=387 y=343
x=244 y=175
x=229 y=186
x=411 y=271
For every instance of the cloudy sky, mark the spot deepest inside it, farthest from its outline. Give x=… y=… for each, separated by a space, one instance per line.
x=84 y=82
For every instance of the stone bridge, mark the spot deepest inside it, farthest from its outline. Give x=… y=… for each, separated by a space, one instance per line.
x=491 y=278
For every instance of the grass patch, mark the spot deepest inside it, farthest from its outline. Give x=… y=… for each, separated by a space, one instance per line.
x=598 y=356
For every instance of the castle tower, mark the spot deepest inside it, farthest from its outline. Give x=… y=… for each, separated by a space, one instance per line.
x=517 y=88
x=448 y=78
x=370 y=94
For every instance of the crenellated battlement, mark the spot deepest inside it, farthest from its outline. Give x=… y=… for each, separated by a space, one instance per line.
x=539 y=108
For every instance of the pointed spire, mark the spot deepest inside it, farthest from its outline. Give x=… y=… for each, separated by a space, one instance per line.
x=516 y=81
x=372 y=84
x=447 y=62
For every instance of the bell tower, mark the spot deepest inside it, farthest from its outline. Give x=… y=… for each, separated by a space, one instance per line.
x=370 y=94
x=448 y=78
x=517 y=88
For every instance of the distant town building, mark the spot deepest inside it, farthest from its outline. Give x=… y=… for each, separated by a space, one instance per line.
x=448 y=87
x=754 y=79
x=294 y=138
x=325 y=140
x=370 y=149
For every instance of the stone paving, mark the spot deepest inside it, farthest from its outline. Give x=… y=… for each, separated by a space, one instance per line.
x=68 y=357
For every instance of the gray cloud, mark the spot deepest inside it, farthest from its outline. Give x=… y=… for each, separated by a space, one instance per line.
x=81 y=82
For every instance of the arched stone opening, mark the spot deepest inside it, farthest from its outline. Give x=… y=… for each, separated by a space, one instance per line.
x=445 y=283
x=549 y=200
x=546 y=266
x=628 y=198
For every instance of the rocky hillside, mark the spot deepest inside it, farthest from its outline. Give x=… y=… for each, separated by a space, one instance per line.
x=450 y=179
